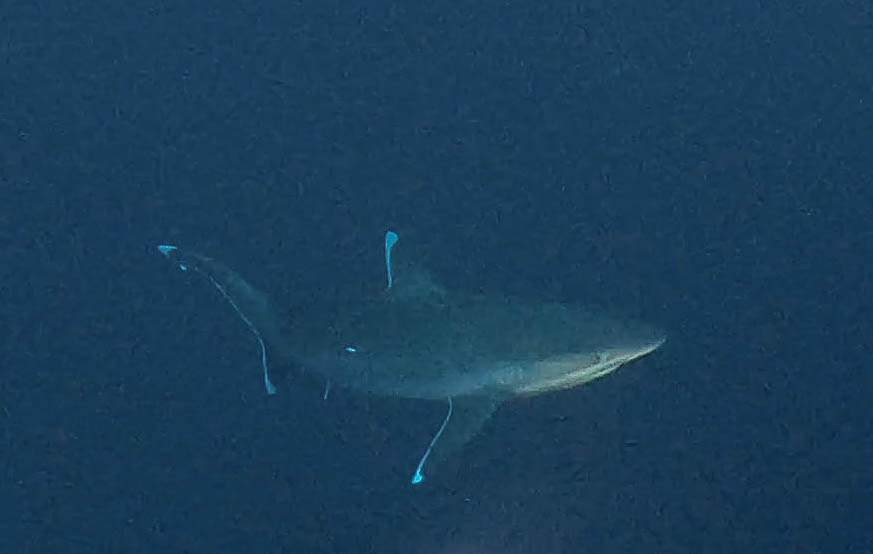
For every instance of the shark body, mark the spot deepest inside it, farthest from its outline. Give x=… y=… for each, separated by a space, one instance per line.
x=416 y=340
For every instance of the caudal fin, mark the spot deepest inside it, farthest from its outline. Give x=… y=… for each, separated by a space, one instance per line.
x=249 y=303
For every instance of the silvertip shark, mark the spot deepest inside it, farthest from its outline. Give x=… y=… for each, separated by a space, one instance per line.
x=414 y=339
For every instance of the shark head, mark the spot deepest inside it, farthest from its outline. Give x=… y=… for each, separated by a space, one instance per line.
x=598 y=352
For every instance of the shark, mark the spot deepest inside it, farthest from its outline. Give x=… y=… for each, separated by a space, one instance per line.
x=412 y=338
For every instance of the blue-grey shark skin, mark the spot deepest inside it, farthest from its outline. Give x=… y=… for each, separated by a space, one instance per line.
x=417 y=340
x=447 y=346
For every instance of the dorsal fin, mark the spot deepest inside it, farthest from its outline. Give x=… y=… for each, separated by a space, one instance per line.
x=407 y=279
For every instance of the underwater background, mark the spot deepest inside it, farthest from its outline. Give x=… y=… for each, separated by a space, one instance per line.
x=702 y=166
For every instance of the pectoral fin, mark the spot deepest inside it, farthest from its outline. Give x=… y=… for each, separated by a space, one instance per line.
x=465 y=417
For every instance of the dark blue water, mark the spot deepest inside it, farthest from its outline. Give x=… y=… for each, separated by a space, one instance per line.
x=707 y=169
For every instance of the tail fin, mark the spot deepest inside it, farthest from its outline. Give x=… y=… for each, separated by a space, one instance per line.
x=249 y=303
